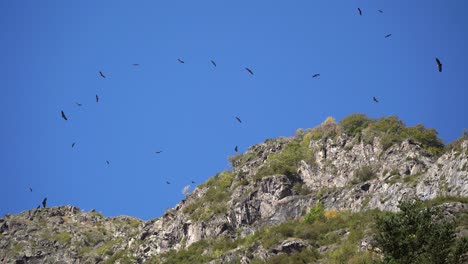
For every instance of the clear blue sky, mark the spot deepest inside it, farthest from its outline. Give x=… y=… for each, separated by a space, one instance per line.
x=52 y=52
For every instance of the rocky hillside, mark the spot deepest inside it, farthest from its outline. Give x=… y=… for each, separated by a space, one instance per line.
x=255 y=213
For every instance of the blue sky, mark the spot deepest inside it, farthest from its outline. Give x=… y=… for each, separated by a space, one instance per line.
x=52 y=52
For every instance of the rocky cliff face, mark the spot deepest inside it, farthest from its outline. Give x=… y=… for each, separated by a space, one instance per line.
x=343 y=172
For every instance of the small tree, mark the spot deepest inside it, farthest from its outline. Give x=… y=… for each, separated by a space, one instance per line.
x=416 y=234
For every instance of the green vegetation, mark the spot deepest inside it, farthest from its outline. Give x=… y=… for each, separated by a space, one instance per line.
x=408 y=231
x=417 y=234
x=328 y=129
x=355 y=123
x=63 y=238
x=124 y=257
x=363 y=174
x=316 y=213
x=214 y=201
x=287 y=161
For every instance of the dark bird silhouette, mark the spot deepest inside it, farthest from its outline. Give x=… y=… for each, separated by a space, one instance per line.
x=136 y=64
x=387 y=36
x=102 y=74
x=97 y=98
x=38 y=207
x=107 y=162
x=73 y=144
x=158 y=152
x=250 y=71
x=193 y=182
x=44 y=202
x=214 y=63
x=316 y=75
x=30 y=189
x=359 y=11
x=181 y=61
x=380 y=11
x=235 y=149
x=64 y=116
x=375 y=100
x=168 y=182
x=78 y=104
x=238 y=119
x=439 y=64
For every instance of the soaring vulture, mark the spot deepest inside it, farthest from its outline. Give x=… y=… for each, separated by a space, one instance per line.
x=158 y=152
x=375 y=100
x=249 y=70
x=359 y=11
x=78 y=104
x=97 y=98
x=214 y=63
x=238 y=119
x=64 y=116
x=316 y=75
x=235 y=149
x=439 y=64
x=387 y=36
x=30 y=189
x=102 y=74
x=181 y=61
x=73 y=144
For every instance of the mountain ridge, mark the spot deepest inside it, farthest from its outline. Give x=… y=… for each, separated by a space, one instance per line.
x=356 y=166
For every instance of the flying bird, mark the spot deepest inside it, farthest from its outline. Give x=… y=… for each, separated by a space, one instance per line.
x=181 y=61
x=168 y=182
x=107 y=162
x=359 y=11
x=316 y=75
x=235 y=149
x=30 y=189
x=44 y=202
x=64 y=116
x=136 y=64
x=375 y=100
x=73 y=144
x=380 y=11
x=158 y=152
x=250 y=71
x=38 y=207
x=214 y=63
x=439 y=64
x=97 y=98
x=238 y=119
x=102 y=74
x=78 y=104
x=193 y=182
x=389 y=35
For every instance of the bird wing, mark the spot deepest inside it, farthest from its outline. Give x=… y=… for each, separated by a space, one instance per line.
x=249 y=70
x=214 y=63
x=102 y=74
x=238 y=119
x=360 y=11
x=97 y=98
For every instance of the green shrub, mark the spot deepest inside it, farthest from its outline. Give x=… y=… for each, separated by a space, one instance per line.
x=427 y=137
x=363 y=174
x=355 y=123
x=63 y=238
x=316 y=213
x=328 y=129
x=416 y=234
x=287 y=161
